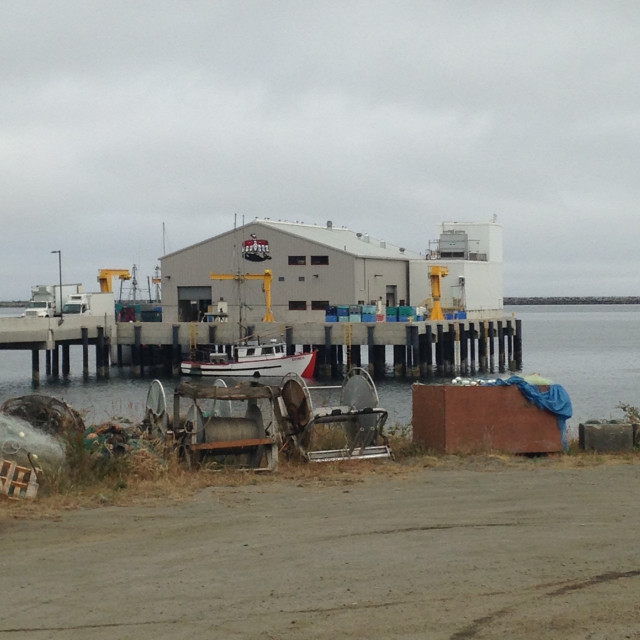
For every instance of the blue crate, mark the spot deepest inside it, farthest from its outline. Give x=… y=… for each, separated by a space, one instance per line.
x=331 y=319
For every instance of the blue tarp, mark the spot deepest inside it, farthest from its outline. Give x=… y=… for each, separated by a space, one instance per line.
x=556 y=400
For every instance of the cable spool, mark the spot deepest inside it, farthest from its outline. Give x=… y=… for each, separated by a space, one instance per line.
x=156 y=410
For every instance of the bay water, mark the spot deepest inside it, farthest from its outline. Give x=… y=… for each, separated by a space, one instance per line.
x=593 y=351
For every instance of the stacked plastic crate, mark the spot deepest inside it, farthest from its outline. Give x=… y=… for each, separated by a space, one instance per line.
x=355 y=313
x=331 y=314
x=406 y=313
x=368 y=313
x=343 y=313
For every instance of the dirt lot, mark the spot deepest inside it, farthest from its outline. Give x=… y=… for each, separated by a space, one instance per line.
x=494 y=551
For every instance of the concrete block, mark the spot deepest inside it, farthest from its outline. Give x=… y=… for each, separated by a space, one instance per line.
x=606 y=438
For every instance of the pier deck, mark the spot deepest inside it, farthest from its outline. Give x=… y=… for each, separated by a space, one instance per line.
x=420 y=349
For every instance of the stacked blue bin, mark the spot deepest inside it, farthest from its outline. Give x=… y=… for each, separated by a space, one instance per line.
x=368 y=313
x=392 y=314
x=406 y=314
x=343 y=313
x=331 y=314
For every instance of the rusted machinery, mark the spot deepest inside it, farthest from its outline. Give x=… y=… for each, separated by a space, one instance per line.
x=219 y=421
x=254 y=420
x=357 y=421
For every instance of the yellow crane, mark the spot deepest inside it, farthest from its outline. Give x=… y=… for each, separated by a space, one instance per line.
x=435 y=276
x=105 y=277
x=266 y=278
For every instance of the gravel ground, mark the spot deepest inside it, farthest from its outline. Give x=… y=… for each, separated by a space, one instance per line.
x=431 y=553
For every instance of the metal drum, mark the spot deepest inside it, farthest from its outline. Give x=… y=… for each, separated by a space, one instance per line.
x=227 y=429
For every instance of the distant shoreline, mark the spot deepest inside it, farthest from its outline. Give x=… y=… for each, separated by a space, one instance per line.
x=508 y=300
x=568 y=300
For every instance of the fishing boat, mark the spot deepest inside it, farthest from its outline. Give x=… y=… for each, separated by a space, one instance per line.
x=250 y=361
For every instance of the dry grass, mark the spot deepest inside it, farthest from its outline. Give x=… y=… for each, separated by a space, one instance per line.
x=149 y=475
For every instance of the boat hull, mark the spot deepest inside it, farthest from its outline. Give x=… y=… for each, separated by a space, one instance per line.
x=302 y=364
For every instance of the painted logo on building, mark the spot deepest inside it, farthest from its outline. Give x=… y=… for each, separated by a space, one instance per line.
x=255 y=250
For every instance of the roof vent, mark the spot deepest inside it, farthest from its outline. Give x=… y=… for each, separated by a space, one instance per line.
x=366 y=237
x=329 y=224
x=401 y=249
x=383 y=244
x=358 y=235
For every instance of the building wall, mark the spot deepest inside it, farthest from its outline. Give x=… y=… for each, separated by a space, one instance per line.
x=482 y=293
x=344 y=280
x=485 y=236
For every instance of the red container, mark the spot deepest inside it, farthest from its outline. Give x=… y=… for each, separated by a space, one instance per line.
x=466 y=419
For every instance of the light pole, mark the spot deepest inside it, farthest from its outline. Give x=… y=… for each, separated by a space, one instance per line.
x=60 y=272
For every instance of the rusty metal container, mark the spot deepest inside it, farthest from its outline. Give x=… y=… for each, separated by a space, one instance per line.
x=466 y=419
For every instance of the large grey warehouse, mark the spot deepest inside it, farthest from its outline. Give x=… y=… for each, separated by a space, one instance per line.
x=314 y=266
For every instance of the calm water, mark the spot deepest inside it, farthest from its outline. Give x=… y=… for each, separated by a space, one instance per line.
x=592 y=351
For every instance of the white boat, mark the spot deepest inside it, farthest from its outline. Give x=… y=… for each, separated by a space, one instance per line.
x=251 y=361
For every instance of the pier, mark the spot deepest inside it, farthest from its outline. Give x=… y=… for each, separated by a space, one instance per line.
x=413 y=350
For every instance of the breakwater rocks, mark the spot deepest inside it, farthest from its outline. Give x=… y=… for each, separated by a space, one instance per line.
x=572 y=300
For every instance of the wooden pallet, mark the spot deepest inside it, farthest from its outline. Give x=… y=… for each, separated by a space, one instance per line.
x=17 y=482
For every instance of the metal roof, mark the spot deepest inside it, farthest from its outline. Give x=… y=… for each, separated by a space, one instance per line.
x=360 y=245
x=342 y=239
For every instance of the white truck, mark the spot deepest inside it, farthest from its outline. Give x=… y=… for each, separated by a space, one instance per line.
x=45 y=299
x=90 y=304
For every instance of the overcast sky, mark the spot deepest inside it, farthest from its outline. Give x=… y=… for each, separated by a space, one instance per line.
x=120 y=119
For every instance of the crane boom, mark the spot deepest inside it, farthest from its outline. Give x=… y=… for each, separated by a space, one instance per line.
x=266 y=278
x=105 y=278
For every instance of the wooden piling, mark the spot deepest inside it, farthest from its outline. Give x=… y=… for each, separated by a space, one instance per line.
x=291 y=348
x=440 y=351
x=100 y=365
x=482 y=347
x=517 y=346
x=379 y=360
x=370 y=349
x=472 y=349
x=492 y=349
x=413 y=351
x=400 y=360
x=35 y=367
x=136 y=352
x=325 y=365
x=501 y=350
x=55 y=362
x=426 y=352
x=176 y=350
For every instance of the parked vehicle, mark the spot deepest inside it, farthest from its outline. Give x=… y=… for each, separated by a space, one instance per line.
x=45 y=299
x=90 y=304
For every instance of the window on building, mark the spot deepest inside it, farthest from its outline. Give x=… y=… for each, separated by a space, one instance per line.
x=319 y=305
x=297 y=305
x=319 y=260
x=280 y=278
x=300 y=278
x=297 y=260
